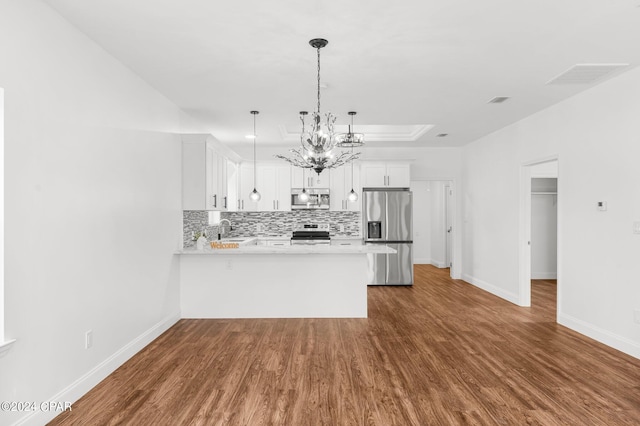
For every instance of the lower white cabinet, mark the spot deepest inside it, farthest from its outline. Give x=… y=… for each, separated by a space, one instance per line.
x=274 y=242
x=346 y=242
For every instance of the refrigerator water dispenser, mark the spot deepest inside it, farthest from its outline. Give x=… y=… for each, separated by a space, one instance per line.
x=374 y=230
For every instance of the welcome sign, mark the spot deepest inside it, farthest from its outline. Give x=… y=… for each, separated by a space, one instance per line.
x=219 y=245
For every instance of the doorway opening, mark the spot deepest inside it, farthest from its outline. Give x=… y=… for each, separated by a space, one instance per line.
x=434 y=230
x=539 y=236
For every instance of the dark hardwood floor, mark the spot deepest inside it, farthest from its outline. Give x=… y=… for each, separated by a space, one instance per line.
x=439 y=353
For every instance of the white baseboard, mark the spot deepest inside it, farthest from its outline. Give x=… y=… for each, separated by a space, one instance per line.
x=438 y=263
x=511 y=297
x=544 y=275
x=623 y=344
x=84 y=384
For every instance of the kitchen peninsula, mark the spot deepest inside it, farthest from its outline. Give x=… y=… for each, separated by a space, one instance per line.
x=254 y=281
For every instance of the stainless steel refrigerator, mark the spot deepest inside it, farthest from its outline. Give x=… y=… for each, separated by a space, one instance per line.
x=387 y=216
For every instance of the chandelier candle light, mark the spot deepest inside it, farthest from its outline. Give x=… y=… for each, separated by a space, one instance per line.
x=318 y=142
x=255 y=195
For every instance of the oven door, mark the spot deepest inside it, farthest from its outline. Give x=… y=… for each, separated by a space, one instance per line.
x=314 y=242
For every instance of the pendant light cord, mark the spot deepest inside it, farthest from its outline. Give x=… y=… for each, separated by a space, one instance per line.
x=254 y=151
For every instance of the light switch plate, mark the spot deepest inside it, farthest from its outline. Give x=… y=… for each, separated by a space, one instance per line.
x=636 y=316
x=602 y=206
x=636 y=227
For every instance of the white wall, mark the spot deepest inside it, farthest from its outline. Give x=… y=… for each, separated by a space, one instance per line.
x=93 y=211
x=595 y=137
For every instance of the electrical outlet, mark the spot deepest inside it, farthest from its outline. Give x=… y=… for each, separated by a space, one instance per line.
x=636 y=315
x=636 y=227
x=341 y=227
x=229 y=264
x=88 y=339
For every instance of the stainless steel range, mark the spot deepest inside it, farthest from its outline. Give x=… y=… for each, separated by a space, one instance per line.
x=311 y=234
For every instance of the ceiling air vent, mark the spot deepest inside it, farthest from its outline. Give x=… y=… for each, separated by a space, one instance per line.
x=498 y=100
x=586 y=73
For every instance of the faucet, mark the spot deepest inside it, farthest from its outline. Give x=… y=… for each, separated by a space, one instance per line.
x=221 y=227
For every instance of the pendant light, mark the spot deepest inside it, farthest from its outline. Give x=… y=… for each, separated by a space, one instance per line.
x=304 y=195
x=255 y=195
x=350 y=139
x=353 y=195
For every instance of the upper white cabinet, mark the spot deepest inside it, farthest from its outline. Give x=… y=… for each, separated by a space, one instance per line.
x=244 y=203
x=274 y=185
x=310 y=178
x=233 y=183
x=379 y=174
x=204 y=176
x=341 y=186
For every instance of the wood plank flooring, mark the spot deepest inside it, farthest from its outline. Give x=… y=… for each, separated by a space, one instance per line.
x=439 y=353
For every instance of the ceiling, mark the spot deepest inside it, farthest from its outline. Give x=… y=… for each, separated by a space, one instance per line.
x=412 y=69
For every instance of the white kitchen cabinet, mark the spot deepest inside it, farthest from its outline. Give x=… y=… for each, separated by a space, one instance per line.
x=311 y=178
x=380 y=174
x=246 y=186
x=272 y=242
x=275 y=243
x=346 y=241
x=275 y=187
x=341 y=186
x=203 y=176
x=233 y=180
x=216 y=180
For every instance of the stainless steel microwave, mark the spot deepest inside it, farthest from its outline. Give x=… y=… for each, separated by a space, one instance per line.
x=318 y=199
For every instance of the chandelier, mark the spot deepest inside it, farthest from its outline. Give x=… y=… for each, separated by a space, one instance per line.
x=318 y=141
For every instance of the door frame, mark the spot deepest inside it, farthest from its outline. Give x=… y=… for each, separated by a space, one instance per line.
x=524 y=234
x=448 y=223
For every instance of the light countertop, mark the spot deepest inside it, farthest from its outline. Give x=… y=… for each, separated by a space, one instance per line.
x=292 y=249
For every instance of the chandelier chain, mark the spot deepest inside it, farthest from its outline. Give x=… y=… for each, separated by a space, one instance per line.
x=318 y=49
